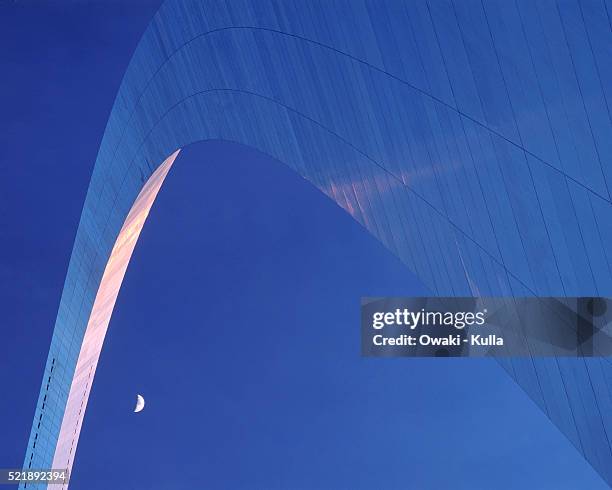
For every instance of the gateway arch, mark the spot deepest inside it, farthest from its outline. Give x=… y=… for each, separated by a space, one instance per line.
x=473 y=139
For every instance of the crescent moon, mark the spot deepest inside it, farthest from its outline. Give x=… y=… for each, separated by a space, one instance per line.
x=140 y=403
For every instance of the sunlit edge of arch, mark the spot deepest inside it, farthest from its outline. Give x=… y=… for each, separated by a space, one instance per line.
x=100 y=316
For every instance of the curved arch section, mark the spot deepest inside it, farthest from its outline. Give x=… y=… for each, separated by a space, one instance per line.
x=439 y=175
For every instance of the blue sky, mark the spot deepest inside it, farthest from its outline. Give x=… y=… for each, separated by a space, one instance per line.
x=239 y=317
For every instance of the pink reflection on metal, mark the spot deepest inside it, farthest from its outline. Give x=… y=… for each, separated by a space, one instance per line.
x=100 y=317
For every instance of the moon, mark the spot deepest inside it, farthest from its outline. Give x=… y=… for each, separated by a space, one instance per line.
x=140 y=403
